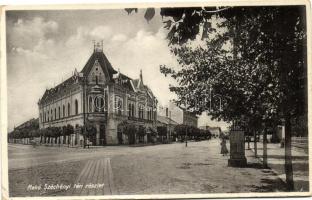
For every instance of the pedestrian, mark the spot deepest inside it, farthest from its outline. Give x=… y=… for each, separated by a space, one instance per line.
x=224 y=150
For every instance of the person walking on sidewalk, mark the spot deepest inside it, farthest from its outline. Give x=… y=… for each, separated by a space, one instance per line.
x=224 y=150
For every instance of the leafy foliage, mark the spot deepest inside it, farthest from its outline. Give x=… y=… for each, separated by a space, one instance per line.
x=249 y=66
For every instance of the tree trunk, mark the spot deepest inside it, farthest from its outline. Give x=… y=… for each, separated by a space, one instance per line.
x=288 y=157
x=255 y=143
x=248 y=142
x=265 y=149
x=186 y=137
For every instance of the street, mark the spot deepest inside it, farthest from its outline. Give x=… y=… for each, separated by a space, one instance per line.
x=159 y=169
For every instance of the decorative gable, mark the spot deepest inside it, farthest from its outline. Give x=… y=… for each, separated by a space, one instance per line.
x=96 y=74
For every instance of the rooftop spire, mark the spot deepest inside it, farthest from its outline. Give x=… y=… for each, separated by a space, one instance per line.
x=141 y=77
x=97 y=46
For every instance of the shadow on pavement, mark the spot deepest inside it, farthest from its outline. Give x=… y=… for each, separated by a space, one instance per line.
x=269 y=185
x=303 y=167
x=254 y=165
x=283 y=157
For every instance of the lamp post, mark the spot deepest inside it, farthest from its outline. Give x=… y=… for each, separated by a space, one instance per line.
x=185 y=135
x=169 y=137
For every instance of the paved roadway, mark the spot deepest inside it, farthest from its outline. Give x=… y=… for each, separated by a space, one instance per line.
x=159 y=169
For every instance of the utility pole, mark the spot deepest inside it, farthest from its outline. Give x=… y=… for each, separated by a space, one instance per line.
x=169 y=127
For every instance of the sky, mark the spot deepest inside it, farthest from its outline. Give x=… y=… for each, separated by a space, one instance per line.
x=45 y=47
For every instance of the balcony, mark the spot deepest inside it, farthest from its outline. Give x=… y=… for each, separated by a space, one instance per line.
x=97 y=116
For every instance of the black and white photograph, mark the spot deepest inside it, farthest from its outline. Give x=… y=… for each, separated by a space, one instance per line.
x=165 y=101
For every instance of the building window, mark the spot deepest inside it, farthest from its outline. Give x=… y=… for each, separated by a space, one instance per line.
x=99 y=104
x=141 y=111
x=118 y=105
x=166 y=112
x=59 y=112
x=129 y=110
x=105 y=98
x=51 y=115
x=54 y=113
x=76 y=107
x=68 y=109
x=147 y=112
x=63 y=110
x=133 y=111
x=90 y=104
x=48 y=116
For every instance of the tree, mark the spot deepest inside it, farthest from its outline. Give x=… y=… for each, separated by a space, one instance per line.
x=261 y=74
x=90 y=130
x=162 y=132
x=130 y=131
x=69 y=129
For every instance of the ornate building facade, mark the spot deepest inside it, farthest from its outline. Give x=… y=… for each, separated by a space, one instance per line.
x=101 y=97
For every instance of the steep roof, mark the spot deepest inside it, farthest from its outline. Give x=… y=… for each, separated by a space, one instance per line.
x=125 y=80
x=104 y=63
x=53 y=91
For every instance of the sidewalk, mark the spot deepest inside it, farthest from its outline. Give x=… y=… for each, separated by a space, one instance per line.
x=276 y=162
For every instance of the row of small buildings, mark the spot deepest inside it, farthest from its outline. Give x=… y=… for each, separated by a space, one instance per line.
x=101 y=97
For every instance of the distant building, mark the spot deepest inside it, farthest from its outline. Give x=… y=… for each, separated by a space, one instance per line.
x=24 y=129
x=213 y=130
x=101 y=97
x=163 y=121
x=177 y=114
x=31 y=124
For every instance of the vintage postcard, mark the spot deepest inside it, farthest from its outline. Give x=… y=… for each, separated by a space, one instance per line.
x=164 y=100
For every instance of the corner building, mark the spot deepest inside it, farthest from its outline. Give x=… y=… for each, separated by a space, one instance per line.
x=100 y=97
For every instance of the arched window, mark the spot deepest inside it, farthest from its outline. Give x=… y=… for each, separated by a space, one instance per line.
x=63 y=110
x=133 y=110
x=99 y=104
x=68 y=109
x=59 y=112
x=140 y=111
x=76 y=107
x=54 y=113
x=90 y=104
x=51 y=114
x=148 y=114
x=129 y=109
